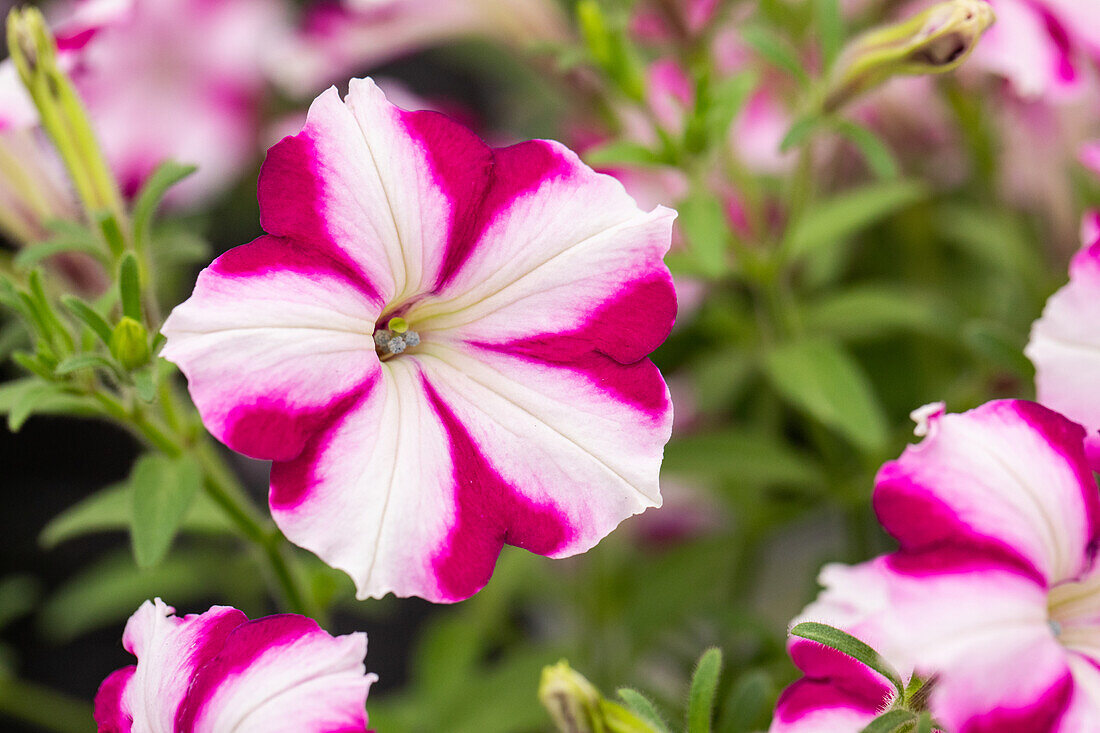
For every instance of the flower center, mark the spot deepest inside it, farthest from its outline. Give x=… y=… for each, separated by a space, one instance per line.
x=1073 y=611
x=394 y=338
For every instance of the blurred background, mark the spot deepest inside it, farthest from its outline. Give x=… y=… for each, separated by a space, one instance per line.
x=835 y=271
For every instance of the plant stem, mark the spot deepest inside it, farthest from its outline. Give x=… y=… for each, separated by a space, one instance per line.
x=222 y=486
x=43 y=707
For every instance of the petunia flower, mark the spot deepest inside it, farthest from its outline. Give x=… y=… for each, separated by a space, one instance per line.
x=1065 y=343
x=442 y=347
x=994 y=592
x=218 y=671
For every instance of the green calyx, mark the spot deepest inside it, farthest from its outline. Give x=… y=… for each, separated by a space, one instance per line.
x=936 y=41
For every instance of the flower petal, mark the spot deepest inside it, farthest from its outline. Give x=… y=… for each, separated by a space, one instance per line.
x=415 y=489
x=392 y=189
x=280 y=674
x=274 y=335
x=837 y=694
x=586 y=442
x=1065 y=347
x=1022 y=47
x=111 y=714
x=396 y=494
x=986 y=636
x=557 y=250
x=17 y=111
x=1084 y=707
x=170 y=650
x=373 y=492
x=1004 y=485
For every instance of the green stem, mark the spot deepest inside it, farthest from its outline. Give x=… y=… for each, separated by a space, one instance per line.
x=40 y=706
x=222 y=486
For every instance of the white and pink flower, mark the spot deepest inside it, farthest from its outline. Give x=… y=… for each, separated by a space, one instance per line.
x=441 y=345
x=218 y=671
x=993 y=592
x=1065 y=343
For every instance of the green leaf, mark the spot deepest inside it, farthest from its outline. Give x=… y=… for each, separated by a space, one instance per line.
x=88 y=317
x=145 y=383
x=820 y=378
x=889 y=722
x=990 y=236
x=845 y=643
x=730 y=96
x=776 y=50
x=12 y=336
x=722 y=375
x=704 y=685
x=622 y=152
x=703 y=221
x=84 y=361
x=880 y=159
x=1000 y=345
x=749 y=701
x=167 y=174
x=799 y=132
x=830 y=29
x=112 y=508
x=740 y=456
x=18 y=594
x=108 y=591
x=163 y=489
x=56 y=331
x=30 y=395
x=112 y=234
x=32 y=255
x=178 y=245
x=869 y=311
x=641 y=706
x=129 y=286
x=924 y=723
x=836 y=219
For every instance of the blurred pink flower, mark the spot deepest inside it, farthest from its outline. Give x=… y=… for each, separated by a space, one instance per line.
x=1045 y=48
x=218 y=671
x=341 y=38
x=171 y=79
x=687 y=513
x=1090 y=156
x=1040 y=145
x=655 y=21
x=518 y=406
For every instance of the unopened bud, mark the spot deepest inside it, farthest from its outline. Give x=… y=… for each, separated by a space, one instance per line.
x=130 y=343
x=571 y=700
x=61 y=113
x=576 y=706
x=934 y=42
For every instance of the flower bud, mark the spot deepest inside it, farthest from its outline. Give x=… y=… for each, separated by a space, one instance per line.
x=934 y=42
x=576 y=706
x=130 y=343
x=61 y=113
